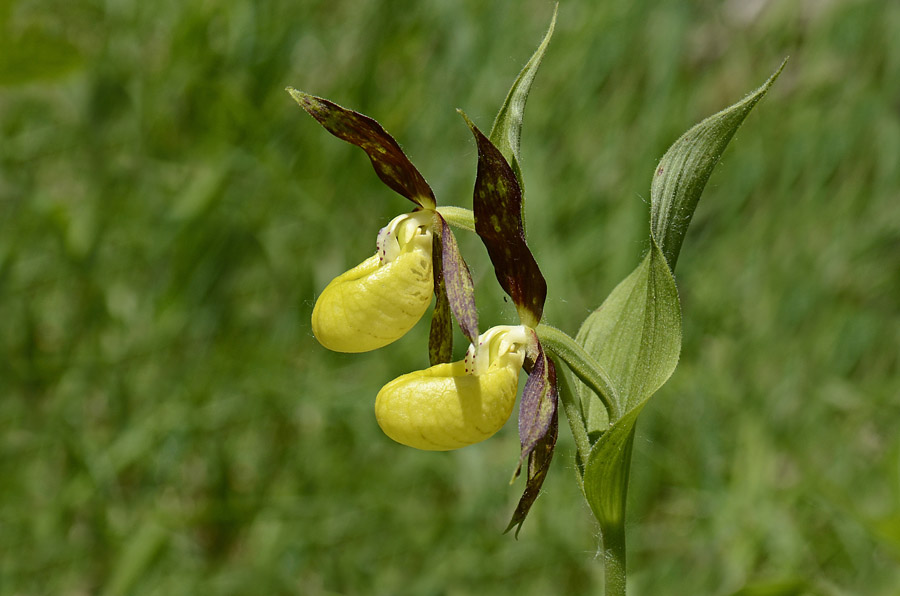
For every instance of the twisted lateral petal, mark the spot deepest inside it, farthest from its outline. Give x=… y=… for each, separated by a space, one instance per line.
x=382 y=298
x=449 y=406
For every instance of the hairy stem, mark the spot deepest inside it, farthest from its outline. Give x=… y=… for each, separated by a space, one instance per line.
x=574 y=415
x=459 y=217
x=583 y=365
x=614 y=559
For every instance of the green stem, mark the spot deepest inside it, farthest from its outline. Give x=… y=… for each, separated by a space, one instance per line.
x=459 y=217
x=612 y=526
x=574 y=415
x=614 y=559
x=583 y=365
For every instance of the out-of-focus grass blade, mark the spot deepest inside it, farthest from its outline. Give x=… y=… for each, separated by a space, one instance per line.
x=137 y=556
x=34 y=56
x=791 y=586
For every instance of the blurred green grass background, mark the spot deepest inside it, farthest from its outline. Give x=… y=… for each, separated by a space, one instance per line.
x=168 y=215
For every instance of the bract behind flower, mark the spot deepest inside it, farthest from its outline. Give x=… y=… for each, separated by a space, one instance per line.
x=449 y=406
x=382 y=298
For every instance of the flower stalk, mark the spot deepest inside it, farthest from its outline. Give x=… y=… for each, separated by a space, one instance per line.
x=458 y=217
x=588 y=370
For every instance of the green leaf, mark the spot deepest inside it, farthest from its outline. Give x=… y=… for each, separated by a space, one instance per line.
x=606 y=473
x=682 y=173
x=388 y=159
x=497 y=203
x=507 y=129
x=635 y=335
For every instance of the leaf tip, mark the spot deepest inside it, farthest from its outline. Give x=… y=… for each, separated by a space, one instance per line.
x=304 y=100
x=465 y=117
x=299 y=96
x=764 y=88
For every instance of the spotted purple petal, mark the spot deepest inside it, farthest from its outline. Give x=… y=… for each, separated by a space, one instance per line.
x=458 y=281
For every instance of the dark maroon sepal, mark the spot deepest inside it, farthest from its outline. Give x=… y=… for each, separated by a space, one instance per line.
x=538 y=466
x=538 y=429
x=537 y=408
x=388 y=159
x=497 y=203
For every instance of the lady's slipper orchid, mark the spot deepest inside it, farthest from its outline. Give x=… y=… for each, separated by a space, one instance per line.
x=382 y=298
x=449 y=406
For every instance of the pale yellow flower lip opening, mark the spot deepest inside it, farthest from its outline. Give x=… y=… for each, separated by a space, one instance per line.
x=449 y=406
x=381 y=299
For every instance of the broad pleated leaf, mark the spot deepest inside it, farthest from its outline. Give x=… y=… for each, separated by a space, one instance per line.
x=636 y=333
x=497 y=204
x=507 y=129
x=388 y=159
x=458 y=282
x=682 y=173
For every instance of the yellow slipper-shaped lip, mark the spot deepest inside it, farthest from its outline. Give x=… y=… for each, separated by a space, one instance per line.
x=382 y=298
x=449 y=406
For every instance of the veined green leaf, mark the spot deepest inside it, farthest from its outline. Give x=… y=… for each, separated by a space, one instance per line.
x=507 y=129
x=607 y=470
x=683 y=171
x=635 y=334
